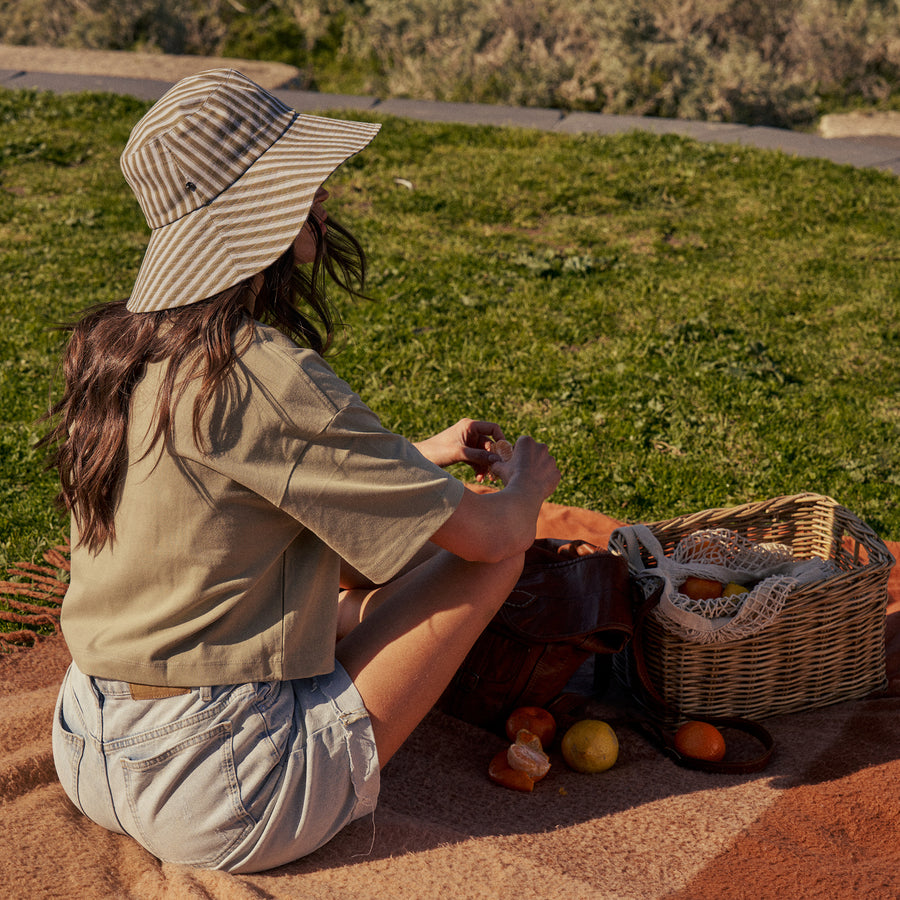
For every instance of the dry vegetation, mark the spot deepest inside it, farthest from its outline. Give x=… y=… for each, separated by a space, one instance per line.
x=776 y=62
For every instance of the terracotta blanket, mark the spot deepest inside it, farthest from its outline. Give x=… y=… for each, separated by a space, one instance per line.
x=821 y=821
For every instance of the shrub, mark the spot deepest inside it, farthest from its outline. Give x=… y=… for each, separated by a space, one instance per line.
x=169 y=26
x=777 y=62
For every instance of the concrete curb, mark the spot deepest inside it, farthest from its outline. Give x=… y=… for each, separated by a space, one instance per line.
x=870 y=151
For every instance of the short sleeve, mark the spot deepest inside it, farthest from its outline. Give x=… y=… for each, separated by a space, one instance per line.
x=296 y=434
x=369 y=494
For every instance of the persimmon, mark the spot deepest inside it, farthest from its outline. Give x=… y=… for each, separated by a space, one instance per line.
x=701 y=588
x=534 y=719
x=700 y=544
x=700 y=740
x=502 y=773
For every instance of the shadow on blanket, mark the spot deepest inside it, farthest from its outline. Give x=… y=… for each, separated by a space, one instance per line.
x=821 y=820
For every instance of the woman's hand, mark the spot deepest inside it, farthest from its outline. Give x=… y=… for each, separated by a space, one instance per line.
x=494 y=526
x=467 y=441
x=531 y=465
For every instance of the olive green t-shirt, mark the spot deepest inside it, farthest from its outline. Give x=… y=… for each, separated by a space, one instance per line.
x=225 y=563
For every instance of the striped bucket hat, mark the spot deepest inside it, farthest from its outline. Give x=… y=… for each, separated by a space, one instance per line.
x=226 y=175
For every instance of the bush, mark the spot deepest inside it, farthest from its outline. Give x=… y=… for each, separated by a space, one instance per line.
x=169 y=26
x=775 y=62
x=758 y=62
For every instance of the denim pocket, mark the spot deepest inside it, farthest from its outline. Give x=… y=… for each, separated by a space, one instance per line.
x=186 y=802
x=68 y=751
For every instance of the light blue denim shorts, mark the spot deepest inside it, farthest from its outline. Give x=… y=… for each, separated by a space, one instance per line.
x=241 y=778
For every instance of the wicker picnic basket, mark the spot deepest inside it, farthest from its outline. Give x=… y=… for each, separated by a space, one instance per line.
x=826 y=644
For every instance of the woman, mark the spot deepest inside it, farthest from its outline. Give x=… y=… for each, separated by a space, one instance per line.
x=225 y=485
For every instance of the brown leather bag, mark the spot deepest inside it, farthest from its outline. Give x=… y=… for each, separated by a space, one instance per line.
x=571 y=601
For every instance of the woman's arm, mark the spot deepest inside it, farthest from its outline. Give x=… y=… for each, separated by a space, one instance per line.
x=353 y=579
x=468 y=441
x=495 y=526
x=484 y=527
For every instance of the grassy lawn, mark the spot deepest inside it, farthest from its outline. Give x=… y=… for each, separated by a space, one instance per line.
x=686 y=325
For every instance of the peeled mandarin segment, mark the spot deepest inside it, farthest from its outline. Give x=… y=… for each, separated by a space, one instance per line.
x=500 y=772
x=526 y=755
x=504 y=450
x=574 y=549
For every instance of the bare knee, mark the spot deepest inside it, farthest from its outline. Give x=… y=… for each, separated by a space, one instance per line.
x=510 y=569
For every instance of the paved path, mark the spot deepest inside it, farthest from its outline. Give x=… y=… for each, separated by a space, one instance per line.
x=96 y=72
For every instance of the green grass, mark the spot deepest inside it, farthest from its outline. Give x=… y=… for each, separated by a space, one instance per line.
x=687 y=325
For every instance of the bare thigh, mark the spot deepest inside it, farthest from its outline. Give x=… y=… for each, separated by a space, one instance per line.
x=415 y=633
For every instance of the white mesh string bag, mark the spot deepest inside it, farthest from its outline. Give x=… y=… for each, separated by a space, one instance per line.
x=769 y=571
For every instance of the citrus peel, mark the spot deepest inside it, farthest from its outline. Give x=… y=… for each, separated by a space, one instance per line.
x=502 y=773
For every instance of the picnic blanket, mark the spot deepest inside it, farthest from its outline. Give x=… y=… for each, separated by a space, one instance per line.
x=820 y=821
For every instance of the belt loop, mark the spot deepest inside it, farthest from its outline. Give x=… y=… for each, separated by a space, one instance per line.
x=206 y=693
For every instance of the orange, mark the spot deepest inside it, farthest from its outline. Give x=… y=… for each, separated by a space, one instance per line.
x=700 y=740
x=700 y=544
x=590 y=746
x=502 y=773
x=701 y=588
x=534 y=719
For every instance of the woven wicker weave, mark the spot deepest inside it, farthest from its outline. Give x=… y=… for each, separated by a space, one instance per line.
x=827 y=644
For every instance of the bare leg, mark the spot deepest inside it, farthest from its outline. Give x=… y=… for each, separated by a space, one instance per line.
x=357 y=591
x=415 y=633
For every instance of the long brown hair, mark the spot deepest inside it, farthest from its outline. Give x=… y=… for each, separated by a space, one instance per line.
x=109 y=349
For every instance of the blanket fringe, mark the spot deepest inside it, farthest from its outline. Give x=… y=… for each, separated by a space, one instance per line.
x=46 y=584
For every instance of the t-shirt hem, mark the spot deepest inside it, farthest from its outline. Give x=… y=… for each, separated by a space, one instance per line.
x=192 y=676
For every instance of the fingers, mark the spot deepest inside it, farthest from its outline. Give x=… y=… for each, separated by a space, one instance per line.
x=485 y=448
x=528 y=459
x=479 y=434
x=477 y=445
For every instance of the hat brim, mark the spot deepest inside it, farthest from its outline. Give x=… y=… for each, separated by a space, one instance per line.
x=249 y=225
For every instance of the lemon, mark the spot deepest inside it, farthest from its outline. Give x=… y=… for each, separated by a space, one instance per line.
x=733 y=589
x=590 y=746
